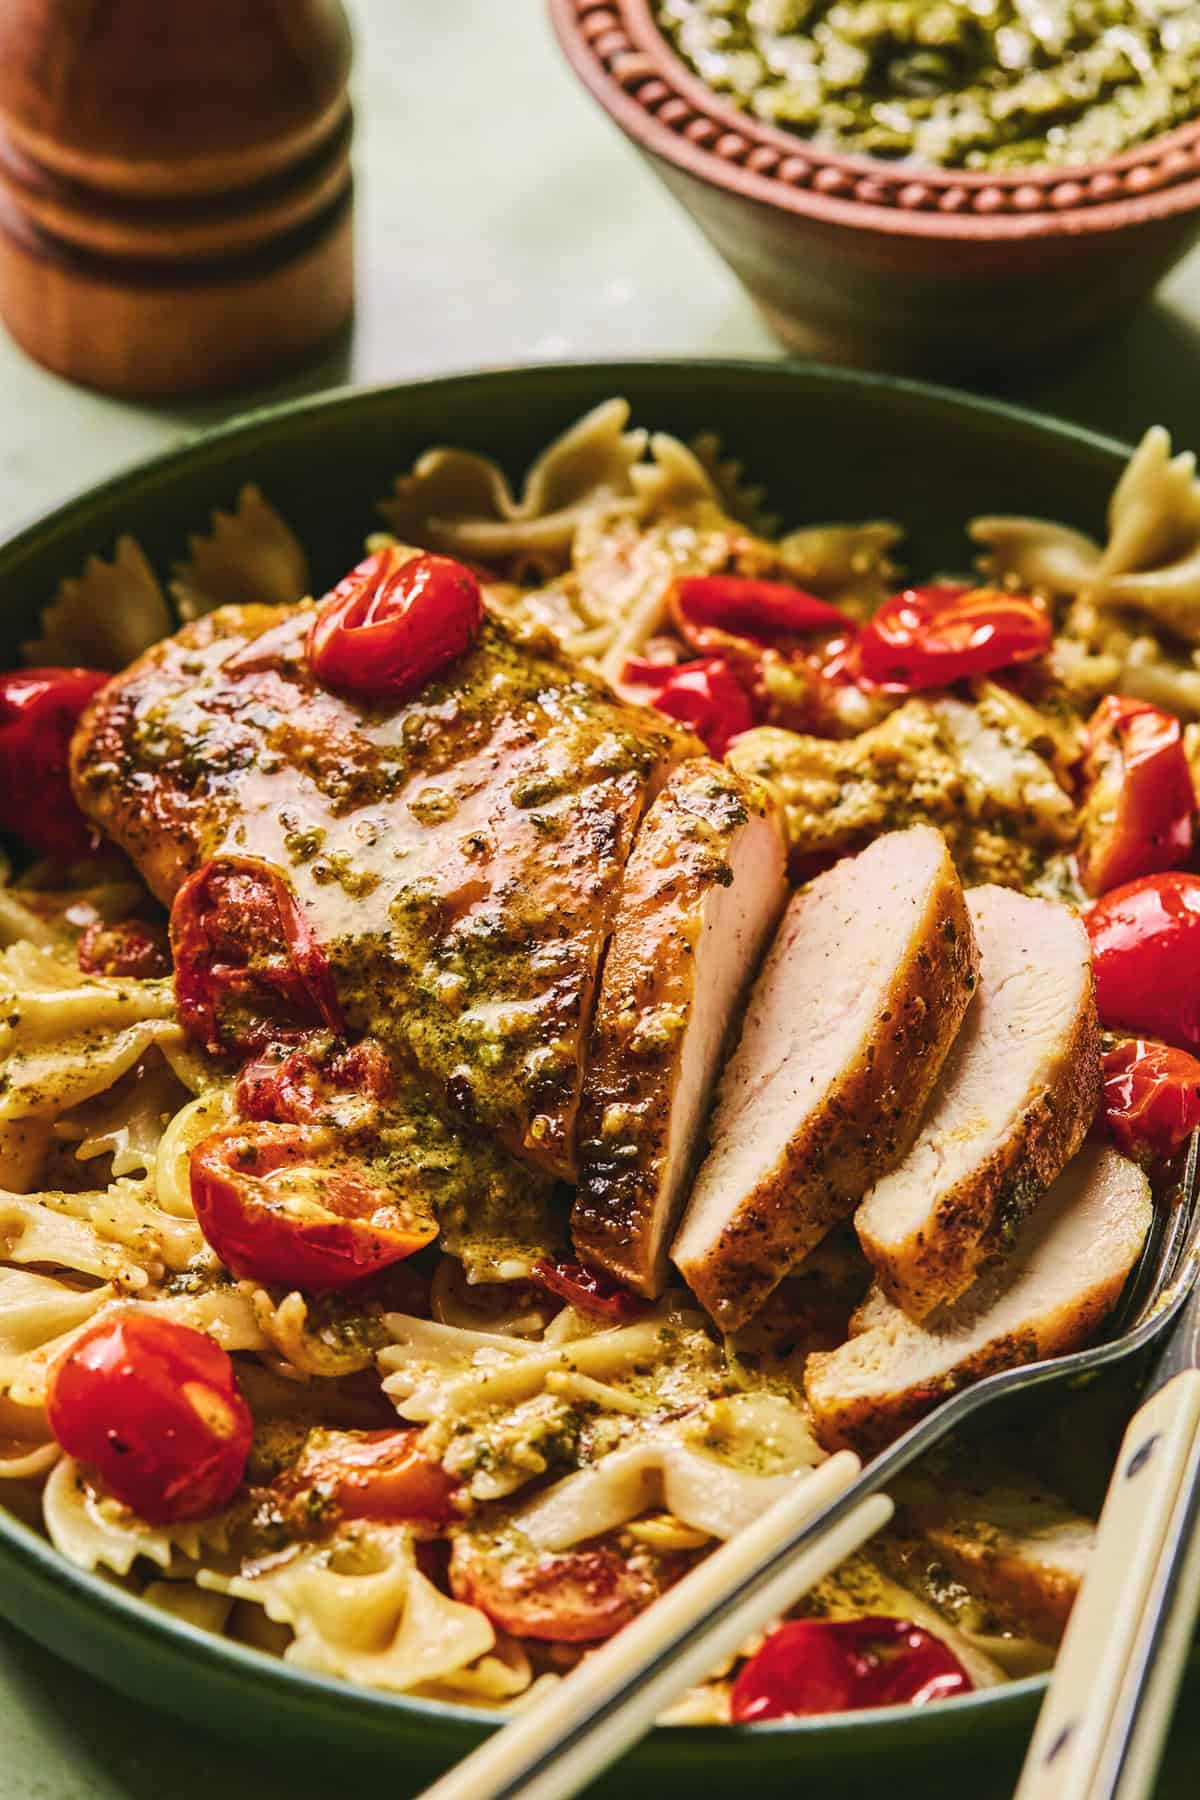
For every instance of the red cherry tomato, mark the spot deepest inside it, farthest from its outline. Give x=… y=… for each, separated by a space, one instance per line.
x=1146 y=957
x=589 y=1290
x=131 y=948
x=154 y=1408
x=704 y=695
x=39 y=710
x=375 y=1475
x=931 y=636
x=1151 y=1098
x=279 y=1204
x=1139 y=805
x=710 y=609
x=295 y=1086
x=842 y=1665
x=563 y=1597
x=393 y=623
x=247 y=966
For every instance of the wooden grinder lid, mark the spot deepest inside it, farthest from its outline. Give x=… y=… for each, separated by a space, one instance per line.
x=175 y=187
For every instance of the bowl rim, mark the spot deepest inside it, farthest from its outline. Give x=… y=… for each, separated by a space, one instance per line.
x=629 y=64
x=32 y=1554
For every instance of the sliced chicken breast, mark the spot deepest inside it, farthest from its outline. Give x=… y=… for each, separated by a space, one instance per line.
x=1064 y=1275
x=1015 y=1100
x=847 y=1027
x=1015 y=1546
x=703 y=890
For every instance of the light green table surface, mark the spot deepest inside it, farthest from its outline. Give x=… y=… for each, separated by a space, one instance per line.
x=502 y=219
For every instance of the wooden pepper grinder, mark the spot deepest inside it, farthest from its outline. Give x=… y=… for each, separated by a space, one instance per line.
x=175 y=187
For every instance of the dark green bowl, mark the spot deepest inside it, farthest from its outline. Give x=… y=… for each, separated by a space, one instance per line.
x=827 y=445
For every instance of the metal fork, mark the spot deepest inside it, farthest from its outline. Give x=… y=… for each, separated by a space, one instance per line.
x=611 y=1699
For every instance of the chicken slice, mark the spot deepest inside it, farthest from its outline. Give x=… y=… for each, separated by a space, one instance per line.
x=1015 y=1546
x=1064 y=1275
x=458 y=855
x=1014 y=1103
x=703 y=889
x=848 y=1025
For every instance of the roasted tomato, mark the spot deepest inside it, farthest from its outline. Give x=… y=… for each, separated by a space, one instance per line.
x=843 y=1665
x=1146 y=957
x=395 y=622
x=1139 y=803
x=131 y=948
x=589 y=1290
x=154 y=1408
x=930 y=636
x=39 y=710
x=562 y=1597
x=295 y=1086
x=709 y=610
x=704 y=695
x=248 y=969
x=280 y=1204
x=374 y=1475
x=1151 y=1098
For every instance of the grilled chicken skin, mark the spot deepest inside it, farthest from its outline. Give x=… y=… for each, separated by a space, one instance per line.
x=1016 y=1098
x=704 y=887
x=1062 y=1277
x=459 y=857
x=860 y=997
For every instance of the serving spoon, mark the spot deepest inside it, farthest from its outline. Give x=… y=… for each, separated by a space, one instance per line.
x=614 y=1695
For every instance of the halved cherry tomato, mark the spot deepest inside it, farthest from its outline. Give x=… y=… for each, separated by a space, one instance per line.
x=154 y=1408
x=1151 y=1098
x=375 y=1475
x=279 y=1204
x=711 y=609
x=590 y=1290
x=843 y=1665
x=704 y=695
x=393 y=623
x=1138 y=812
x=248 y=969
x=294 y=1086
x=560 y=1597
x=1146 y=957
x=133 y=948
x=39 y=710
x=928 y=637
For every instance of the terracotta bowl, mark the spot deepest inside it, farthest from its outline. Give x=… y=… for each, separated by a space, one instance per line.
x=887 y=265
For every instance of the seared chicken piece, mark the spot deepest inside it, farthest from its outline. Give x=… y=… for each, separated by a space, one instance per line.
x=1063 y=1276
x=860 y=998
x=459 y=857
x=704 y=888
x=977 y=771
x=1014 y=1103
x=1017 y=1547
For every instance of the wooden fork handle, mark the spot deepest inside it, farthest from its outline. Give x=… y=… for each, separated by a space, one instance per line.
x=1069 y=1751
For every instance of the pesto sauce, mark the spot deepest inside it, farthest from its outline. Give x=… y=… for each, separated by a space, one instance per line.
x=969 y=84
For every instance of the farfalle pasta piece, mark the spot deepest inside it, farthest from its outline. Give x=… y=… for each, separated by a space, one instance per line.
x=66 y=1037
x=34 y=1232
x=39 y=1314
x=1151 y=561
x=127 y=1124
x=459 y=502
x=105 y=617
x=94 y=1531
x=359 y=1608
x=312 y=1348
x=249 y=556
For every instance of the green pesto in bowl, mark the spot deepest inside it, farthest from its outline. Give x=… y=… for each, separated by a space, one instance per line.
x=967 y=84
